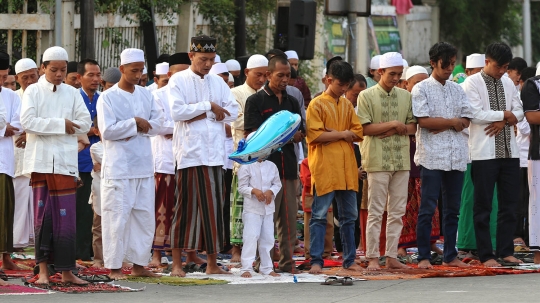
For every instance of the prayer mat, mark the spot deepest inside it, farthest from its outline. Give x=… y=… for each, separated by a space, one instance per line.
x=177 y=281
x=21 y=290
x=235 y=278
x=99 y=287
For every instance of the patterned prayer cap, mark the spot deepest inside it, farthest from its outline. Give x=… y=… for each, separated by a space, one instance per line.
x=203 y=44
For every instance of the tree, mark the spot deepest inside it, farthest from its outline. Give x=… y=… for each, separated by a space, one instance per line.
x=471 y=25
x=535 y=30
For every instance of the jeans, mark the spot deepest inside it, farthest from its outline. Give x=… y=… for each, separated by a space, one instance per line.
x=451 y=183
x=348 y=212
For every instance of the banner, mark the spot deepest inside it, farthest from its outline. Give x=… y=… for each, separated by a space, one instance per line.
x=383 y=35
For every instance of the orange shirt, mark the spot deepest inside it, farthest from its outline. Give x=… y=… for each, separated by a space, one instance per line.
x=333 y=165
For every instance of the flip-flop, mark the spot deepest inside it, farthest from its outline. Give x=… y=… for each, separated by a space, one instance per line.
x=332 y=281
x=436 y=259
x=503 y=262
x=95 y=278
x=346 y=281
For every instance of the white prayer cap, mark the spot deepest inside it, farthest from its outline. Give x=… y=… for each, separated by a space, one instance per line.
x=475 y=61
x=391 y=59
x=233 y=65
x=375 y=62
x=291 y=54
x=403 y=76
x=405 y=63
x=162 y=68
x=130 y=55
x=324 y=72
x=538 y=70
x=219 y=68
x=415 y=70
x=218 y=59
x=145 y=70
x=538 y=64
x=231 y=78
x=55 y=53
x=24 y=65
x=257 y=61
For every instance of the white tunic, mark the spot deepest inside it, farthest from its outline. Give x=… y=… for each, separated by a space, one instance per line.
x=240 y=93
x=523 y=142
x=96 y=152
x=201 y=143
x=262 y=176
x=162 y=147
x=12 y=106
x=43 y=113
x=128 y=153
x=19 y=152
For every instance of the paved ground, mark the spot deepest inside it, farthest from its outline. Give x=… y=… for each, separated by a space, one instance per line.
x=510 y=288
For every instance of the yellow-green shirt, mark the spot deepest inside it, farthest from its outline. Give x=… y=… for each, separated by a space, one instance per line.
x=332 y=165
x=375 y=105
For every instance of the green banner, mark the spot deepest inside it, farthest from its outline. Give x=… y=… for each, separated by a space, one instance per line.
x=383 y=35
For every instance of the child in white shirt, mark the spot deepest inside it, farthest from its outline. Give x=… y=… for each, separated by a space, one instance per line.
x=259 y=183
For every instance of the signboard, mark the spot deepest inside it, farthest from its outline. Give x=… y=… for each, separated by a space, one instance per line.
x=336 y=38
x=362 y=8
x=383 y=35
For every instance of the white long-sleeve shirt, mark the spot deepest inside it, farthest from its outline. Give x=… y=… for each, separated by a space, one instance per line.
x=200 y=143
x=262 y=176
x=127 y=153
x=96 y=153
x=12 y=105
x=43 y=113
x=162 y=149
x=482 y=146
x=240 y=93
x=523 y=142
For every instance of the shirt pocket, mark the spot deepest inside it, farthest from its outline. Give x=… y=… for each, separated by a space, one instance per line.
x=191 y=148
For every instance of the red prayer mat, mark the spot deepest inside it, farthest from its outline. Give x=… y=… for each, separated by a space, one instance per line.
x=21 y=290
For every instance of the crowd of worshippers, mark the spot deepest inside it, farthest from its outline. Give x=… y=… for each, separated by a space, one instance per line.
x=402 y=158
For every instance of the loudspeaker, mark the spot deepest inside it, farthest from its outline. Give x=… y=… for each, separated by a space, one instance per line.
x=295 y=28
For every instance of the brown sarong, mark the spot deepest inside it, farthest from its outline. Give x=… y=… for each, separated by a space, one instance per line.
x=7 y=212
x=165 y=187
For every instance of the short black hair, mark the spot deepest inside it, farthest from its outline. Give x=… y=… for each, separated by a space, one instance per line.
x=357 y=79
x=342 y=71
x=275 y=52
x=81 y=67
x=442 y=51
x=518 y=64
x=277 y=58
x=332 y=60
x=500 y=52
x=526 y=73
x=163 y=58
x=294 y=73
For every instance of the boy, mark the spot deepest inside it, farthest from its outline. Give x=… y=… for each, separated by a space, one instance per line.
x=259 y=183
x=332 y=127
x=96 y=152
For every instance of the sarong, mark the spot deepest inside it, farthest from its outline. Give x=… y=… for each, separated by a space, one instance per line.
x=466 y=239
x=165 y=187
x=7 y=211
x=237 y=206
x=54 y=212
x=534 y=204
x=198 y=213
x=408 y=233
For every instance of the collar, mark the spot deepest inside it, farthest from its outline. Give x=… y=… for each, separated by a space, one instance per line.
x=44 y=82
x=270 y=92
x=249 y=88
x=96 y=94
x=433 y=80
x=384 y=92
x=193 y=74
x=488 y=77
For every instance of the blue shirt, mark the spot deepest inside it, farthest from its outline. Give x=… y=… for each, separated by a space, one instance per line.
x=85 y=161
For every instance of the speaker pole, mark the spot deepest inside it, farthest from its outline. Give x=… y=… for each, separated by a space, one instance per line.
x=352 y=20
x=240 y=28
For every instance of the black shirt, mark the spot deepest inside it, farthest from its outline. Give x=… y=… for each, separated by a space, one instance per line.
x=530 y=95
x=261 y=106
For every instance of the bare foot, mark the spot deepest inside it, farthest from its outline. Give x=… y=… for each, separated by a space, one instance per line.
x=315 y=269
x=4 y=283
x=355 y=267
x=512 y=259
x=140 y=271
x=436 y=249
x=491 y=263
x=117 y=274
x=215 y=270
x=274 y=274
x=246 y=274
x=42 y=279
x=8 y=264
x=97 y=264
x=537 y=257
x=373 y=264
x=402 y=252
x=456 y=263
x=69 y=277
x=425 y=264
x=192 y=257
x=156 y=259
x=236 y=254
x=394 y=263
x=177 y=271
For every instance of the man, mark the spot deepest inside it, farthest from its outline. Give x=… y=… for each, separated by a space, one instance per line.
x=221 y=70
x=230 y=81
x=496 y=109
x=144 y=78
x=53 y=115
x=23 y=228
x=475 y=63
x=163 y=58
x=234 y=68
x=516 y=66
x=10 y=81
x=300 y=83
x=443 y=111
x=71 y=76
x=89 y=76
x=201 y=104
x=255 y=73
x=110 y=77
x=11 y=126
x=259 y=107
x=127 y=117
x=373 y=76
x=386 y=116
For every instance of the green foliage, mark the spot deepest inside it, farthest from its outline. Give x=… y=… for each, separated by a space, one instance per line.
x=471 y=25
x=220 y=15
x=164 y=8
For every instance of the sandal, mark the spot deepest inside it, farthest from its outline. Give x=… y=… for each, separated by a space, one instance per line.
x=505 y=263
x=436 y=259
x=331 y=281
x=95 y=278
x=347 y=281
x=192 y=267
